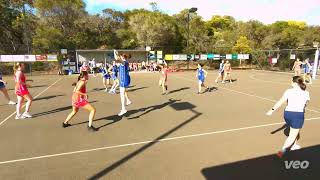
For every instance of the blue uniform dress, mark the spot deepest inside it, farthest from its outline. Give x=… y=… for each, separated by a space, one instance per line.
x=114 y=74
x=124 y=77
x=1 y=83
x=221 y=70
x=201 y=75
x=306 y=68
x=106 y=75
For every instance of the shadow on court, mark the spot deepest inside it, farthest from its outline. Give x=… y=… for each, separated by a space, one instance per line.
x=136 y=89
x=286 y=130
x=178 y=90
x=56 y=110
x=178 y=106
x=270 y=167
x=116 y=118
x=48 y=97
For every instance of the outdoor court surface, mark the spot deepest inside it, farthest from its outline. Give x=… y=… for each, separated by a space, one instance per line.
x=223 y=134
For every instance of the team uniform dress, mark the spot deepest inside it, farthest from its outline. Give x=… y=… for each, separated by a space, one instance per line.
x=221 y=68
x=105 y=74
x=294 y=112
x=306 y=69
x=164 y=75
x=227 y=69
x=78 y=100
x=2 y=85
x=84 y=68
x=21 y=89
x=114 y=74
x=297 y=67
x=124 y=76
x=201 y=75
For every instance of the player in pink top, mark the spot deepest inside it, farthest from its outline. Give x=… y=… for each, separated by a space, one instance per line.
x=164 y=78
x=22 y=92
x=80 y=100
x=297 y=67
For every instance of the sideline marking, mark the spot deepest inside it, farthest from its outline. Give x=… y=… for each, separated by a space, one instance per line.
x=145 y=142
x=2 y=122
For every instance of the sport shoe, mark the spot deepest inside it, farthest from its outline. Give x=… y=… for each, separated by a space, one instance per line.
x=12 y=103
x=64 y=125
x=122 y=112
x=26 y=115
x=91 y=128
x=19 y=116
x=106 y=90
x=295 y=147
x=128 y=103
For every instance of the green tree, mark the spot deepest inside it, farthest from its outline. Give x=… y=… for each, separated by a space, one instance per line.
x=242 y=46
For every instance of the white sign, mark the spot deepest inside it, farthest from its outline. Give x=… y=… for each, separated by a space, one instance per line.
x=176 y=57
x=274 y=60
x=64 y=51
x=6 y=58
x=229 y=56
x=183 y=57
x=29 y=58
x=216 y=56
x=292 y=56
x=18 y=58
x=203 y=57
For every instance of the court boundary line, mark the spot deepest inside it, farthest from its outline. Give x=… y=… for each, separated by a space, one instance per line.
x=283 y=83
x=252 y=95
x=145 y=142
x=7 y=118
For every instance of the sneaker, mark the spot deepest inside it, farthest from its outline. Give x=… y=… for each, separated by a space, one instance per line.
x=106 y=90
x=91 y=128
x=216 y=81
x=280 y=154
x=122 y=112
x=223 y=82
x=64 y=125
x=295 y=147
x=128 y=103
x=19 y=117
x=12 y=103
x=26 y=115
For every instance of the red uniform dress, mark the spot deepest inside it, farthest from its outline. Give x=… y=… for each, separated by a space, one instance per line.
x=165 y=74
x=21 y=89
x=78 y=100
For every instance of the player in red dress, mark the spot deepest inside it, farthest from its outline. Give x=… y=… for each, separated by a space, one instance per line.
x=22 y=92
x=80 y=100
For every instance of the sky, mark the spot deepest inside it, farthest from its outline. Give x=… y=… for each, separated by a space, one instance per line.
x=266 y=11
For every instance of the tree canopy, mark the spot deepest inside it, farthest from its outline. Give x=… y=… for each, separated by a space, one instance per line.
x=49 y=25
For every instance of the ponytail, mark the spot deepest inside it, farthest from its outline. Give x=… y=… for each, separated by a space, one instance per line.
x=81 y=75
x=300 y=82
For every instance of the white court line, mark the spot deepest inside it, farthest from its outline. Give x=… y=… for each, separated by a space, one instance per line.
x=145 y=142
x=34 y=98
x=252 y=95
x=288 y=83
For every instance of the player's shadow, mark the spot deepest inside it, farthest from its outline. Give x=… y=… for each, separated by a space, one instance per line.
x=286 y=130
x=178 y=90
x=149 y=109
x=270 y=167
x=37 y=86
x=56 y=110
x=178 y=106
x=136 y=89
x=48 y=97
x=97 y=89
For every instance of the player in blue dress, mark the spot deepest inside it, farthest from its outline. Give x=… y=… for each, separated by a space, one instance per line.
x=4 y=90
x=113 y=71
x=124 y=81
x=307 y=71
x=105 y=76
x=201 y=75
